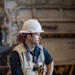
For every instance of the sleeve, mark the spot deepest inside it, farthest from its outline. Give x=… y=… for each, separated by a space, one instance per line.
x=15 y=64
x=48 y=57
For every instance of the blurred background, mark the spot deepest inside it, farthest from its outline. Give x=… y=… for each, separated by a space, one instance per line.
x=58 y=21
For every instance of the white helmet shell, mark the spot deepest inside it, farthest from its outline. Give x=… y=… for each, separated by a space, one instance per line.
x=31 y=26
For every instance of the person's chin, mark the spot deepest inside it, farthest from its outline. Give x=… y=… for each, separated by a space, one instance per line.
x=38 y=42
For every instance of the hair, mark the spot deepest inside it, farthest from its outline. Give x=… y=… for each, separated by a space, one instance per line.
x=25 y=35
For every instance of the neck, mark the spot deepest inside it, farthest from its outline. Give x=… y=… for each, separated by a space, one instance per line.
x=30 y=46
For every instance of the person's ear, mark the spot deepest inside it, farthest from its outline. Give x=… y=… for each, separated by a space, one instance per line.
x=29 y=36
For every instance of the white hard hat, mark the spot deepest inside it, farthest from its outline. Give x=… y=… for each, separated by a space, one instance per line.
x=31 y=26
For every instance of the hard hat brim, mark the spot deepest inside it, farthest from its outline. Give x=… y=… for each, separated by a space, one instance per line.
x=23 y=31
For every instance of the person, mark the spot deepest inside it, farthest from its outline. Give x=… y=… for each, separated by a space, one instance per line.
x=29 y=57
x=62 y=70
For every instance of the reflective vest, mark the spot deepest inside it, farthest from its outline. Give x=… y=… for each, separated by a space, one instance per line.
x=28 y=67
